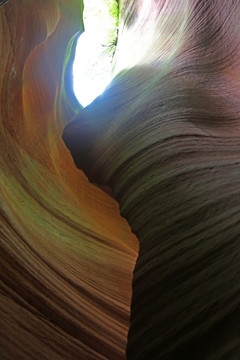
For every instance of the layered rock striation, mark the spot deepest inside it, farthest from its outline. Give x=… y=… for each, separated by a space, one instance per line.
x=66 y=254
x=165 y=137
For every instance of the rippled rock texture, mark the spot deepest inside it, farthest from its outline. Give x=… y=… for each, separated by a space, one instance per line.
x=165 y=137
x=66 y=254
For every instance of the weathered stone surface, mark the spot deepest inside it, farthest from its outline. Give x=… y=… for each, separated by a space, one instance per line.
x=165 y=138
x=66 y=255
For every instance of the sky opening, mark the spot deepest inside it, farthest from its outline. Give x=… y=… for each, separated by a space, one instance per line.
x=93 y=64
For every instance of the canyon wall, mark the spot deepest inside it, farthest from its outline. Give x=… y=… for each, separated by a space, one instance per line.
x=164 y=137
x=66 y=254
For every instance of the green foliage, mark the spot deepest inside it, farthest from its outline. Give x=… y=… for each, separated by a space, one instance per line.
x=113 y=9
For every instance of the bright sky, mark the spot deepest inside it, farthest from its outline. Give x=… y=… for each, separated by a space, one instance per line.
x=92 y=68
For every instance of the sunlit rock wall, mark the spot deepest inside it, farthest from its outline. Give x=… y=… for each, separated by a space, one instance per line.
x=66 y=255
x=165 y=137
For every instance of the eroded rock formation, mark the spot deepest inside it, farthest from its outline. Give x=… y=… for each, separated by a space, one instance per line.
x=66 y=254
x=165 y=137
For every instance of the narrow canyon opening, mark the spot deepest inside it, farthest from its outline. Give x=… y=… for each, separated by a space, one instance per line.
x=94 y=60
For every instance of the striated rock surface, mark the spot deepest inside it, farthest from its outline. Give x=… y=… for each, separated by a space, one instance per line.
x=165 y=137
x=66 y=254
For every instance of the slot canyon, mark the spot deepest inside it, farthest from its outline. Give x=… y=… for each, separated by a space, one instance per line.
x=120 y=221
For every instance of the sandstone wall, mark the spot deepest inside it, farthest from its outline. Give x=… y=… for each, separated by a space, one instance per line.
x=66 y=255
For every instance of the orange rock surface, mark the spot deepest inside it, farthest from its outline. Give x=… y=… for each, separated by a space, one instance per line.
x=66 y=254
